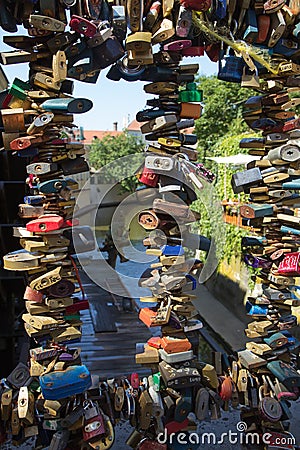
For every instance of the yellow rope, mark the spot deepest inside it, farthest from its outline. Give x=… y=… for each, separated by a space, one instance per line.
x=239 y=46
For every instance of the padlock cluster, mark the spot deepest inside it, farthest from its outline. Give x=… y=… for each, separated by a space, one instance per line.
x=55 y=397
x=272 y=183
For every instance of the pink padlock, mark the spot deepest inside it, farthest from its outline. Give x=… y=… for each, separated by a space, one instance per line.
x=177 y=46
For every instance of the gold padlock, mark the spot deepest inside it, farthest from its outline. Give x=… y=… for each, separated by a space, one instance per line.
x=13 y=120
x=59 y=66
x=165 y=31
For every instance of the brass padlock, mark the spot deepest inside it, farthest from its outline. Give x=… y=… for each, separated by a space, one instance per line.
x=165 y=31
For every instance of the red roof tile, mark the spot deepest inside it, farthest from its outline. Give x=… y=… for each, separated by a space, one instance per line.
x=89 y=135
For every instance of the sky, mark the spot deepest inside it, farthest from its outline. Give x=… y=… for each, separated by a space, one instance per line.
x=114 y=101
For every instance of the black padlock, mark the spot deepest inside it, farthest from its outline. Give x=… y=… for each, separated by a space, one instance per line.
x=242 y=180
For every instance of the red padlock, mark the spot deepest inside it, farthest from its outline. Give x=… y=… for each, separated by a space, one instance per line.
x=147 y=444
x=193 y=51
x=263 y=24
x=174 y=427
x=290 y=265
x=46 y=223
x=149 y=178
x=25 y=142
x=197 y=5
x=33 y=296
x=135 y=380
x=154 y=342
x=93 y=427
x=213 y=52
x=226 y=388
x=83 y=26
x=77 y=306
x=147 y=316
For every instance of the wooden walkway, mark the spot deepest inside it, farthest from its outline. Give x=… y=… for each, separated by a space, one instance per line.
x=110 y=353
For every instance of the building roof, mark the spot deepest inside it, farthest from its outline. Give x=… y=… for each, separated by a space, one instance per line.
x=135 y=126
x=89 y=135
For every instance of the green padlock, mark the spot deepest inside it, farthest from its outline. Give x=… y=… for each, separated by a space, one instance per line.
x=19 y=89
x=190 y=94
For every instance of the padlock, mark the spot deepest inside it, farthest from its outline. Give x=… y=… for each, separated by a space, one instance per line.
x=46 y=223
x=149 y=177
x=19 y=376
x=90 y=409
x=46 y=280
x=15 y=422
x=271 y=6
x=46 y=23
x=250 y=360
x=146 y=407
x=107 y=53
x=13 y=120
x=59 y=66
x=52 y=186
x=230 y=67
x=250 y=80
x=184 y=22
x=251 y=26
x=6 y=404
x=202 y=5
x=83 y=26
x=21 y=260
x=263 y=23
x=134 y=10
x=26 y=405
x=139 y=48
x=277 y=27
x=59 y=440
x=269 y=407
x=165 y=31
x=70 y=105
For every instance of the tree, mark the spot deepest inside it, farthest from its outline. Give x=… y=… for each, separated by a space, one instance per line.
x=106 y=152
x=222 y=113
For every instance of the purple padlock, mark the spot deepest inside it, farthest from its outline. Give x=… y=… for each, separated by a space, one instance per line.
x=257 y=262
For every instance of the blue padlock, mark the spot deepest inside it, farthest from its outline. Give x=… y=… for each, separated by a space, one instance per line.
x=218 y=10
x=256 y=310
x=70 y=105
x=230 y=67
x=51 y=186
x=29 y=152
x=289 y=230
x=172 y=250
x=253 y=241
x=251 y=32
x=287 y=48
x=34 y=199
x=192 y=280
x=294 y=184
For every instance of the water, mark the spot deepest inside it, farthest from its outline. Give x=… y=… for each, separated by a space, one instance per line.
x=131 y=270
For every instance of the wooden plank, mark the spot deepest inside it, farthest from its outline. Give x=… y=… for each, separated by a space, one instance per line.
x=110 y=353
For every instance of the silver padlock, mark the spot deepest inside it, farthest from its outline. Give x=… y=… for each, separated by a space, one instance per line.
x=59 y=440
x=90 y=409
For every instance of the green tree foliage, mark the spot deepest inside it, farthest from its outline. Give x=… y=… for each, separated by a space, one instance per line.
x=219 y=131
x=105 y=153
x=221 y=113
